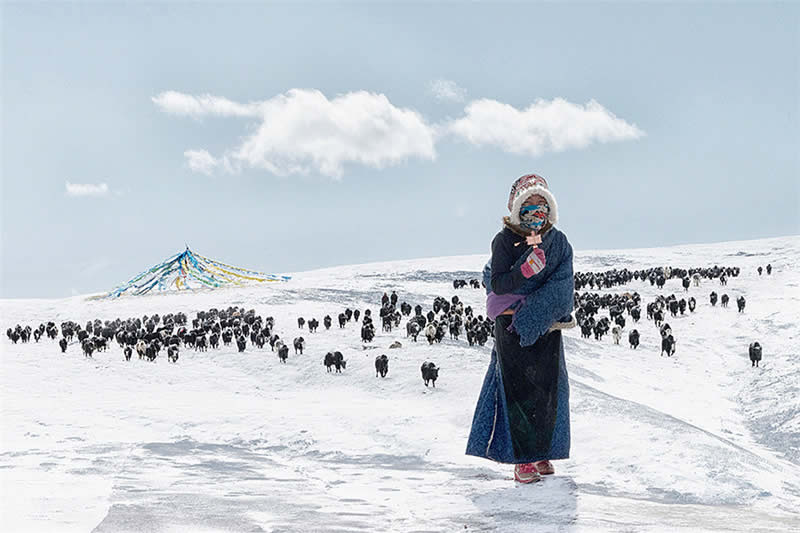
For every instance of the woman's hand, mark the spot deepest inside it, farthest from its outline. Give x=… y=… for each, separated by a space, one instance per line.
x=534 y=263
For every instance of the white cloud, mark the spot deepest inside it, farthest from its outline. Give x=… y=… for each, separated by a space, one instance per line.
x=86 y=189
x=303 y=131
x=196 y=106
x=544 y=126
x=448 y=90
x=200 y=161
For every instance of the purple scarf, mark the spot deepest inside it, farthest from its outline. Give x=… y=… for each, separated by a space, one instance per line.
x=497 y=303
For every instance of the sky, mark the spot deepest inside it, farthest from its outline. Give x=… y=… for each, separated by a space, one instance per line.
x=289 y=137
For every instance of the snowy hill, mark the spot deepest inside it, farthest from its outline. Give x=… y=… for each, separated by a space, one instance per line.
x=227 y=441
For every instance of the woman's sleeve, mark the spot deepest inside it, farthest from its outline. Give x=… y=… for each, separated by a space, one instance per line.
x=506 y=271
x=547 y=304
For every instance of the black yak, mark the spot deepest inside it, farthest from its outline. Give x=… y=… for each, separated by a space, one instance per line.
x=755 y=353
x=381 y=366
x=430 y=372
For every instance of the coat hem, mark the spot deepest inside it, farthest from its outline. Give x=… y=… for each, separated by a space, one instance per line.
x=520 y=461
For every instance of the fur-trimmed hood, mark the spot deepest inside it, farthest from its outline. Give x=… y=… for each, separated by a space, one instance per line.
x=525 y=187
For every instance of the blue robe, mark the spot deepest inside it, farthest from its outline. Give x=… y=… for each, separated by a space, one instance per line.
x=525 y=418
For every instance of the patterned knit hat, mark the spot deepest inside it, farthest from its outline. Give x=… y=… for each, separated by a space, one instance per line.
x=525 y=187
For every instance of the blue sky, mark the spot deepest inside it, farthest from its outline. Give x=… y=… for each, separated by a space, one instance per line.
x=285 y=137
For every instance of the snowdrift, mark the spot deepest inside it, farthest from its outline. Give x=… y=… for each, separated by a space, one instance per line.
x=227 y=441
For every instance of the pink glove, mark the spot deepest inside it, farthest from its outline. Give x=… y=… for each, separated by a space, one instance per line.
x=534 y=263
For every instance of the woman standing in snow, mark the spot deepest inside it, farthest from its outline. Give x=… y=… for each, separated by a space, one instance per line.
x=522 y=416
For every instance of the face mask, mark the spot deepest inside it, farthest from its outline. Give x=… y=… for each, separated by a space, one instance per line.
x=533 y=217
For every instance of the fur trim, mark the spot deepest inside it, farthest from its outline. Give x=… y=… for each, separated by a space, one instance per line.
x=527 y=193
x=563 y=325
x=522 y=232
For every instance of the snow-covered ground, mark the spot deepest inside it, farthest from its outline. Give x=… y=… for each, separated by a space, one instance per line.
x=224 y=441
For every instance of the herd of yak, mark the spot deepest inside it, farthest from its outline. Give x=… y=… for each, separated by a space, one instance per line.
x=587 y=305
x=149 y=335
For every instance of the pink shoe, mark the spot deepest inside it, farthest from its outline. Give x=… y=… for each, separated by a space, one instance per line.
x=526 y=473
x=545 y=468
